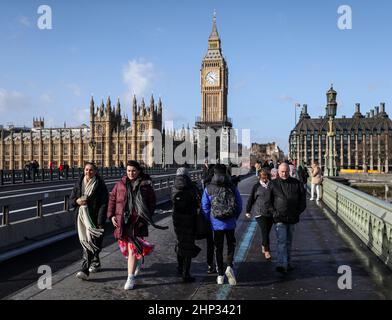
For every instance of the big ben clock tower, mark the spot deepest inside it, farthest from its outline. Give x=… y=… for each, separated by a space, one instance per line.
x=214 y=85
x=214 y=88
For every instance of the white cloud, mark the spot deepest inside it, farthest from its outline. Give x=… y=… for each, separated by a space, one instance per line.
x=138 y=76
x=12 y=100
x=24 y=21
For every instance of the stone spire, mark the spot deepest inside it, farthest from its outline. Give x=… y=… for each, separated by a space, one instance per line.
x=152 y=103
x=214 y=33
x=118 y=108
x=108 y=105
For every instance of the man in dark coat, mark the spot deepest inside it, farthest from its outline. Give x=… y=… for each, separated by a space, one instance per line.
x=186 y=201
x=97 y=204
x=289 y=201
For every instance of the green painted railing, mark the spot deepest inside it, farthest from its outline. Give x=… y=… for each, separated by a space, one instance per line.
x=368 y=217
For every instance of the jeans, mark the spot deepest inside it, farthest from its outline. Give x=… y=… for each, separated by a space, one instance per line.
x=219 y=237
x=317 y=186
x=284 y=235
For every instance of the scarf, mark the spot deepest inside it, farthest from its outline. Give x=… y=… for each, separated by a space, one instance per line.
x=264 y=185
x=87 y=231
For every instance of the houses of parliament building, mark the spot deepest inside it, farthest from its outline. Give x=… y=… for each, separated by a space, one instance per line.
x=111 y=139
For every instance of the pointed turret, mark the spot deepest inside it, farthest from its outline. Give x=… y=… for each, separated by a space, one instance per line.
x=92 y=104
x=108 y=105
x=159 y=107
x=143 y=108
x=118 y=108
x=101 y=108
x=152 y=102
x=214 y=42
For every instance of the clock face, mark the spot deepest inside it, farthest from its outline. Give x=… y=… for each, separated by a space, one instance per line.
x=212 y=78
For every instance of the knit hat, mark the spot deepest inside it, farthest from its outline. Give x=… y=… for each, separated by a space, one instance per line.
x=182 y=172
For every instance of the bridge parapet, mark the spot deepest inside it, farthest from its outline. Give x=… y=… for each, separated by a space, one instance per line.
x=368 y=217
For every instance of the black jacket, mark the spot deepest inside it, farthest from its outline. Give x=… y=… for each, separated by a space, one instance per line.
x=97 y=203
x=259 y=202
x=186 y=201
x=289 y=200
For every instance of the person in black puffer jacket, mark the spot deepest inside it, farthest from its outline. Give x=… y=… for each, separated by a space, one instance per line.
x=259 y=204
x=289 y=201
x=186 y=201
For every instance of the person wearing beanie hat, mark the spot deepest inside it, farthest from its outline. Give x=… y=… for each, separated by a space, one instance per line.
x=186 y=201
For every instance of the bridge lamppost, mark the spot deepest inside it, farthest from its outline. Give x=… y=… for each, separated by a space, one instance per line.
x=330 y=161
x=92 y=145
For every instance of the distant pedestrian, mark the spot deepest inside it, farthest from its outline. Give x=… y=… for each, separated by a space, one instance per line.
x=259 y=204
x=186 y=201
x=90 y=197
x=205 y=171
x=293 y=171
x=289 y=201
x=303 y=174
x=315 y=173
x=222 y=205
x=61 y=168
x=257 y=167
x=131 y=207
x=274 y=174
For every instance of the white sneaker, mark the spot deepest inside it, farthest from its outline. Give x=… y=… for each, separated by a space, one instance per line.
x=129 y=284
x=220 y=279
x=94 y=269
x=81 y=275
x=230 y=276
x=311 y=199
x=138 y=268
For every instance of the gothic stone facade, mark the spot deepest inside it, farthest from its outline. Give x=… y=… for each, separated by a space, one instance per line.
x=110 y=139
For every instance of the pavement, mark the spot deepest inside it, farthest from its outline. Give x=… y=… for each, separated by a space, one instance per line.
x=321 y=245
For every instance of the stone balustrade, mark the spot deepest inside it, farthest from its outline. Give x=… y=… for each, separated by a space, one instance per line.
x=368 y=217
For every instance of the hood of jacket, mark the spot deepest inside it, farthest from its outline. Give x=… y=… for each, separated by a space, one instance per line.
x=220 y=180
x=182 y=182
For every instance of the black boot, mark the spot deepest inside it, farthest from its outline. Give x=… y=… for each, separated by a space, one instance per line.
x=186 y=276
x=180 y=264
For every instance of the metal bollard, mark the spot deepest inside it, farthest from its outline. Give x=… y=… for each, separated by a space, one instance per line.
x=6 y=214
x=39 y=209
x=1 y=177
x=13 y=176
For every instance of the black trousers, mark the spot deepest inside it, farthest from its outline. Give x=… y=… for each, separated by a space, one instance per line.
x=210 y=249
x=90 y=257
x=265 y=225
x=184 y=265
x=219 y=237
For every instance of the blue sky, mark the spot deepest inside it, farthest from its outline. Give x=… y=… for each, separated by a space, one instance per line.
x=278 y=53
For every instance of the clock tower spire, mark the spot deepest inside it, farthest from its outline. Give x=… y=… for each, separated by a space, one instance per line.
x=214 y=84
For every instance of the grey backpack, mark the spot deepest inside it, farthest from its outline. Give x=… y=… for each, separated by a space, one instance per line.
x=223 y=205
